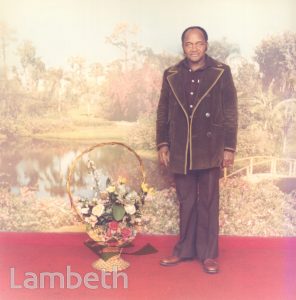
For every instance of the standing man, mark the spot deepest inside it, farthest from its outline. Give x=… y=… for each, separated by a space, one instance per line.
x=196 y=136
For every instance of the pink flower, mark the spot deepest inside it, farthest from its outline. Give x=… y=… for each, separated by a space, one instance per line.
x=126 y=232
x=113 y=225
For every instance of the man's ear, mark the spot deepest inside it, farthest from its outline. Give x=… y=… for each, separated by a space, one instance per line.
x=207 y=44
x=183 y=51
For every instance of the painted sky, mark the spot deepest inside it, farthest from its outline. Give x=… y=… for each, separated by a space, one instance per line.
x=60 y=29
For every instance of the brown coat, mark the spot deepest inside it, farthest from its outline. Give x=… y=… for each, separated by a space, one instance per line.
x=197 y=141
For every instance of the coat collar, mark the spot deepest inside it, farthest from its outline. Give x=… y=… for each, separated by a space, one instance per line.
x=212 y=72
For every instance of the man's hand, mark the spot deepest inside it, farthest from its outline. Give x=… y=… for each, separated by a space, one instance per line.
x=164 y=155
x=228 y=159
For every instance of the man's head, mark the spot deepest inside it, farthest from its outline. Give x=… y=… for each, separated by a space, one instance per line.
x=194 y=43
x=195 y=27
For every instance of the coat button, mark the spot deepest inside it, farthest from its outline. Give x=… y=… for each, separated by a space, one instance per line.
x=209 y=134
x=208 y=114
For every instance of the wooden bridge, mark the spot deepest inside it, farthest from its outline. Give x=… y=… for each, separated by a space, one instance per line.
x=265 y=166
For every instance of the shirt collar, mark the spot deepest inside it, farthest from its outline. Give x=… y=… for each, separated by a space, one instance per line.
x=185 y=64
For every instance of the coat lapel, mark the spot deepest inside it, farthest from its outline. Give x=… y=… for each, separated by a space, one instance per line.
x=209 y=79
x=176 y=82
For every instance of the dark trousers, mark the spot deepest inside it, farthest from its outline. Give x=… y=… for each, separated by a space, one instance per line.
x=198 y=194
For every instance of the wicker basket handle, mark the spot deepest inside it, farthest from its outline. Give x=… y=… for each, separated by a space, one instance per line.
x=73 y=165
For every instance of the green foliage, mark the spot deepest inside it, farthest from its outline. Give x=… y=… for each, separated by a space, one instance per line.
x=264 y=116
x=248 y=79
x=222 y=49
x=142 y=133
x=118 y=212
x=276 y=57
x=27 y=126
x=255 y=141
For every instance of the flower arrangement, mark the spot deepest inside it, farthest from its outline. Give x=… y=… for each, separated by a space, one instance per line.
x=113 y=212
x=113 y=215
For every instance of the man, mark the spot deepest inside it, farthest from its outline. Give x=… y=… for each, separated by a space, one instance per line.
x=196 y=136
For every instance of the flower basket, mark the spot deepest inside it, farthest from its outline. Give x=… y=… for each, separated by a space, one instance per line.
x=113 y=215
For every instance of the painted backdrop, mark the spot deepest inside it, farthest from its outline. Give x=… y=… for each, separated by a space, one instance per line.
x=78 y=73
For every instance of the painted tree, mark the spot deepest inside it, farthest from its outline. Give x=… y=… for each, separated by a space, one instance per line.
x=7 y=95
x=276 y=57
x=96 y=76
x=77 y=76
x=160 y=61
x=222 y=49
x=128 y=94
x=284 y=121
x=33 y=68
x=266 y=119
x=132 y=82
x=7 y=36
x=124 y=38
x=52 y=96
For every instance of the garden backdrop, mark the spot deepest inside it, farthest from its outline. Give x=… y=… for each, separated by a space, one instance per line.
x=78 y=73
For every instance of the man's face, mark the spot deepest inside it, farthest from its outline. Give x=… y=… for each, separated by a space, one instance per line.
x=194 y=45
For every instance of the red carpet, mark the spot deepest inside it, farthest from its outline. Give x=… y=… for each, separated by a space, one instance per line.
x=251 y=268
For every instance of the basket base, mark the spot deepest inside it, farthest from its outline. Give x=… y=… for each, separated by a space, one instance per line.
x=115 y=263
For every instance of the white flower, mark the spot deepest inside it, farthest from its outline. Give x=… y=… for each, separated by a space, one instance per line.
x=92 y=220
x=121 y=190
x=98 y=210
x=131 y=198
x=84 y=210
x=130 y=209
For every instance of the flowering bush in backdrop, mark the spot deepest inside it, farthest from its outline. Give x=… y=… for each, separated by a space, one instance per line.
x=27 y=212
x=161 y=213
x=246 y=209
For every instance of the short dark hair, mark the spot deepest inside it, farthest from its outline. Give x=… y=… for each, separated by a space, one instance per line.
x=194 y=27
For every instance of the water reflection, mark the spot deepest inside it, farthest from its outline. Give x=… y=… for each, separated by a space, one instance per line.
x=43 y=166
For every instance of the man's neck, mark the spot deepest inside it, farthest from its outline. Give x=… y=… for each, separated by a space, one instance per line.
x=197 y=65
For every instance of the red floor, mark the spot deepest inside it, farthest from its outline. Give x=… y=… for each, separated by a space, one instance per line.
x=251 y=268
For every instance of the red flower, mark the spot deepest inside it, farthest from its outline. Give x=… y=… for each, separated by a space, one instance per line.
x=113 y=225
x=126 y=232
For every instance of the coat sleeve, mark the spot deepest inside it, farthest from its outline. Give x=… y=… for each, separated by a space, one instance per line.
x=230 y=111
x=162 y=120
